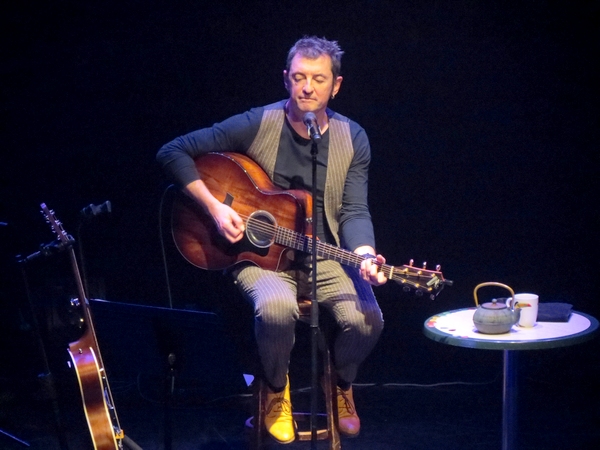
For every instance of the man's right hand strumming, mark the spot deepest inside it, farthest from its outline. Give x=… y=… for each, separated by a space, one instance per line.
x=229 y=224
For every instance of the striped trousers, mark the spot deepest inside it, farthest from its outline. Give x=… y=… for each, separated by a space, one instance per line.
x=349 y=299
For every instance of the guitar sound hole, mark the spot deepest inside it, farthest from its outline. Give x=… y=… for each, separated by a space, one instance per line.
x=260 y=229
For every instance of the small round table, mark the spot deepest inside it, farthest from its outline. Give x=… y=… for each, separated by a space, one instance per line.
x=456 y=328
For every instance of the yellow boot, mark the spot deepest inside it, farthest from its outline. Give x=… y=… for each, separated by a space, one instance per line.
x=278 y=418
x=348 y=420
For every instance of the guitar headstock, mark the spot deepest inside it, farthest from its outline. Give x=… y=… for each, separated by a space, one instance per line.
x=419 y=279
x=56 y=225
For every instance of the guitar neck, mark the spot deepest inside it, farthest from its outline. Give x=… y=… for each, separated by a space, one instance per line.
x=85 y=306
x=303 y=243
x=420 y=279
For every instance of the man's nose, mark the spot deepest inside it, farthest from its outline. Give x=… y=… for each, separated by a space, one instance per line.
x=308 y=86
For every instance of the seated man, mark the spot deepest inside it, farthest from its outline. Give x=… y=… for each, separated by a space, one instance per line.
x=276 y=138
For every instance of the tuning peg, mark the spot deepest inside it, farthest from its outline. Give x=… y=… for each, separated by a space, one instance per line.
x=406 y=289
x=424 y=264
x=411 y=262
x=419 y=293
x=438 y=267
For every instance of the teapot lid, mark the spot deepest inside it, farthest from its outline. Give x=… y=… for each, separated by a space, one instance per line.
x=494 y=305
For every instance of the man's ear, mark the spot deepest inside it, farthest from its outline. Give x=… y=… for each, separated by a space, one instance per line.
x=336 y=86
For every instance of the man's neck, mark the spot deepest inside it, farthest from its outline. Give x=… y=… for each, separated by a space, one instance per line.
x=296 y=120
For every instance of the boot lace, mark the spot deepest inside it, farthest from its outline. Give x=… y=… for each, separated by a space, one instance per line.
x=279 y=406
x=345 y=404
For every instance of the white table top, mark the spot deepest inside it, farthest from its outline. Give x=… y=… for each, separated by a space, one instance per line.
x=457 y=328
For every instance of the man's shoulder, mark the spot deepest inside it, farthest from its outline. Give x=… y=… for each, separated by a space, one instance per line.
x=273 y=106
x=333 y=115
x=254 y=115
x=355 y=128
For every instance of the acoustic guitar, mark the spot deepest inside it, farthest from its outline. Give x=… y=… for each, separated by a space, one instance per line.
x=278 y=223
x=98 y=404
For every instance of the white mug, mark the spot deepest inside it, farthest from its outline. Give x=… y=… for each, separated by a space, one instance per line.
x=528 y=304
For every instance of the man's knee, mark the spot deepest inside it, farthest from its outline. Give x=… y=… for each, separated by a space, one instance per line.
x=277 y=309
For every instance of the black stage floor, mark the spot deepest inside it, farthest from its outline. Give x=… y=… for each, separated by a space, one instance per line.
x=449 y=416
x=433 y=397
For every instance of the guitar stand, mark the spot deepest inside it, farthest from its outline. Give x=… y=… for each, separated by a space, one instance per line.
x=130 y=444
x=47 y=380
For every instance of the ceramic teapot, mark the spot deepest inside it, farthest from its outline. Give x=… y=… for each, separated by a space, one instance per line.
x=495 y=317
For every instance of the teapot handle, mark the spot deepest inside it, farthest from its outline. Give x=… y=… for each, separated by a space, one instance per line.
x=493 y=283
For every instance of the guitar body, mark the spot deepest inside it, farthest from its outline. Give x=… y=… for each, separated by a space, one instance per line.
x=92 y=386
x=238 y=181
x=278 y=223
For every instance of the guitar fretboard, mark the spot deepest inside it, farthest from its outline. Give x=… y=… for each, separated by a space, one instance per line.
x=417 y=278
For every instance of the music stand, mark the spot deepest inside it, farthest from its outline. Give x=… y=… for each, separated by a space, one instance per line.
x=139 y=339
x=174 y=356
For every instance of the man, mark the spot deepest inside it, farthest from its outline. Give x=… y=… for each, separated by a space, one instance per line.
x=276 y=137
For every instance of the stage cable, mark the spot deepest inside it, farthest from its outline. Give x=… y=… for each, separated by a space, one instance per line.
x=162 y=242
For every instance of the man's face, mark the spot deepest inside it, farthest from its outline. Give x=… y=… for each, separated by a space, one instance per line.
x=310 y=83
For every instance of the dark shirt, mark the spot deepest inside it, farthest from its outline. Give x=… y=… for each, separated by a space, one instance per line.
x=293 y=168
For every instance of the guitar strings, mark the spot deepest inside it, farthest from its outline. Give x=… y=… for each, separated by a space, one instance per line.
x=298 y=241
x=302 y=242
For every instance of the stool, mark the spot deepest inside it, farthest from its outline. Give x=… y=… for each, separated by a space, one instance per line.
x=329 y=384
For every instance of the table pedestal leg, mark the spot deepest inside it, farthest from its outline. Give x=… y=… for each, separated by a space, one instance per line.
x=509 y=400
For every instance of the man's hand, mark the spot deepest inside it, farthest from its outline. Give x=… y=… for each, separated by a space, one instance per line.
x=370 y=266
x=229 y=224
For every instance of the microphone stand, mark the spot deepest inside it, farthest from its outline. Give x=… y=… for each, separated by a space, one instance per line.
x=48 y=382
x=314 y=305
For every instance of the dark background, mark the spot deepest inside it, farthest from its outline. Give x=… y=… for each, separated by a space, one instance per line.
x=482 y=117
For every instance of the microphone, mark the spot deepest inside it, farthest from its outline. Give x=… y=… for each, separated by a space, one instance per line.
x=312 y=126
x=46 y=250
x=95 y=210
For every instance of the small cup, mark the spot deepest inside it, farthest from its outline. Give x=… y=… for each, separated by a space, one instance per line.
x=529 y=309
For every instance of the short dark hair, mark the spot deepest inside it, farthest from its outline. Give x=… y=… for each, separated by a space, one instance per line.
x=312 y=47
